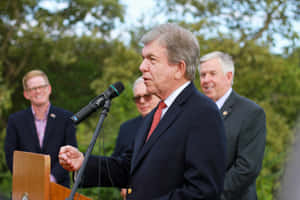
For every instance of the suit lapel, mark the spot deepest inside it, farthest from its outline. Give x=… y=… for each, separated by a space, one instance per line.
x=33 y=132
x=141 y=136
x=143 y=148
x=49 y=126
x=227 y=107
x=170 y=116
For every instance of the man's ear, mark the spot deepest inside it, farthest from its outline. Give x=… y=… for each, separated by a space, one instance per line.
x=50 y=89
x=229 y=76
x=26 y=96
x=181 y=70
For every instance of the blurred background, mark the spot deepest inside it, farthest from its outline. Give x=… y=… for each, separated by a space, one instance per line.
x=86 y=45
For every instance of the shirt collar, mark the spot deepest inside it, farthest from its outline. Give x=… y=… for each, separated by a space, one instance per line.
x=46 y=114
x=170 y=99
x=220 y=102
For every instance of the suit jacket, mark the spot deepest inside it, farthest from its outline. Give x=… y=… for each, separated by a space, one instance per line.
x=184 y=159
x=126 y=135
x=245 y=126
x=21 y=135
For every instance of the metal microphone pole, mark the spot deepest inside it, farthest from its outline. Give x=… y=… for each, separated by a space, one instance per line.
x=90 y=148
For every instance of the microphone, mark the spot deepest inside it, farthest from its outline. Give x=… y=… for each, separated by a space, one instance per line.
x=114 y=90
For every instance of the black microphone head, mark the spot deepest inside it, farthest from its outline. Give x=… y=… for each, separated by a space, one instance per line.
x=117 y=89
x=114 y=90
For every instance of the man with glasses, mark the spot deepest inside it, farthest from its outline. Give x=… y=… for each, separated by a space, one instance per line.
x=41 y=128
x=145 y=103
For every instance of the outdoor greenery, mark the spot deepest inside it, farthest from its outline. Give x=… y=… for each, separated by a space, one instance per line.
x=82 y=64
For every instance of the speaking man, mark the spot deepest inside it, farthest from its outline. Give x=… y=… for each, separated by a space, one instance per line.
x=179 y=152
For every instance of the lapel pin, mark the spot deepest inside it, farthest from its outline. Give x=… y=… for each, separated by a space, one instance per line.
x=225 y=113
x=52 y=115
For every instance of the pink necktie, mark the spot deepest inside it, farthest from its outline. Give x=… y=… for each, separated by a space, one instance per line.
x=156 y=118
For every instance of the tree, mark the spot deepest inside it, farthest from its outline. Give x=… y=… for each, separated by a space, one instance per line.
x=260 y=21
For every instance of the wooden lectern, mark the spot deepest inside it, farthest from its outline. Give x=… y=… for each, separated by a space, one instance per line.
x=31 y=179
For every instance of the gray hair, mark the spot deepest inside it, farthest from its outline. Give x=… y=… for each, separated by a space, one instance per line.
x=180 y=43
x=136 y=82
x=225 y=60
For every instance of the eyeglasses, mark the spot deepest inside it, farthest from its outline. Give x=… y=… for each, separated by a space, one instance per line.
x=37 y=87
x=147 y=97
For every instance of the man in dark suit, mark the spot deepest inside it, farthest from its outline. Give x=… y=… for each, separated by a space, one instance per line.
x=184 y=157
x=42 y=128
x=145 y=103
x=245 y=126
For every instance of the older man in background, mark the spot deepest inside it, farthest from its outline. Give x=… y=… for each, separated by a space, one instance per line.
x=245 y=126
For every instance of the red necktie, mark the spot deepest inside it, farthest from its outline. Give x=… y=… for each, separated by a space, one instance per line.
x=156 y=118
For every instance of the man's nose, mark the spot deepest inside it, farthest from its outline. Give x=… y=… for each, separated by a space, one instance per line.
x=143 y=66
x=142 y=100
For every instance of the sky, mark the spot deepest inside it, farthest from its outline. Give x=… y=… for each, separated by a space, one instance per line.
x=135 y=8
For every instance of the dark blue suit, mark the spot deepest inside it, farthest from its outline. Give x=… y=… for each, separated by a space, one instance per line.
x=21 y=135
x=184 y=159
x=126 y=135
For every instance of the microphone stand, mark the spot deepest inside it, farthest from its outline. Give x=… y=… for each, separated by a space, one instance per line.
x=90 y=148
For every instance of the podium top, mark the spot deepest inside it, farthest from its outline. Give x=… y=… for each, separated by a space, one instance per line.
x=31 y=179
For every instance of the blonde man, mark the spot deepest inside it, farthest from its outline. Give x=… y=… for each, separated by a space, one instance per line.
x=41 y=128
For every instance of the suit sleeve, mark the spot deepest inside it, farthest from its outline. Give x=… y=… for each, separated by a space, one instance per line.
x=10 y=142
x=250 y=152
x=70 y=139
x=107 y=171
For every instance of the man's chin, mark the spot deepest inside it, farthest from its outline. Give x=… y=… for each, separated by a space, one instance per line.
x=209 y=95
x=40 y=103
x=144 y=112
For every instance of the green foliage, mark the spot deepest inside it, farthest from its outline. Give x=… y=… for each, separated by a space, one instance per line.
x=123 y=65
x=275 y=78
x=5 y=93
x=5 y=175
x=279 y=136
